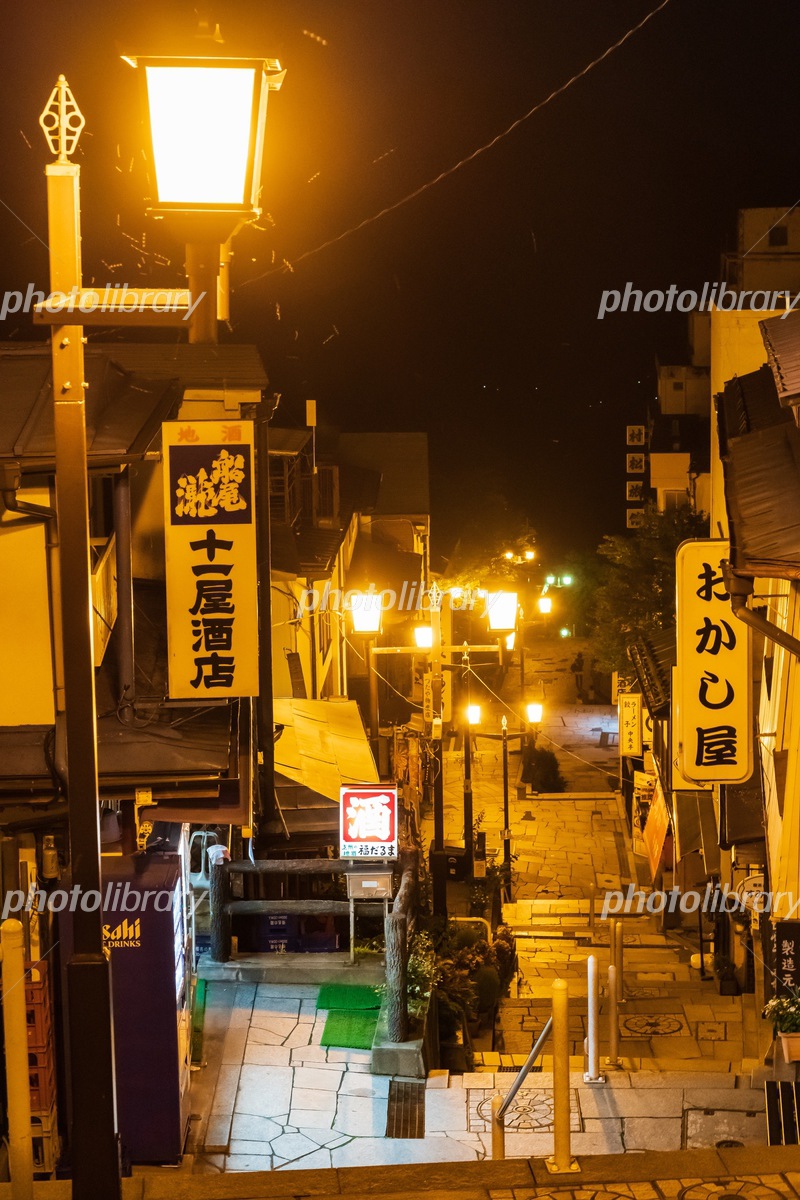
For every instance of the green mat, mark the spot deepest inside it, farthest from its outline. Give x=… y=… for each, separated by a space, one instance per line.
x=350 y=1030
x=348 y=997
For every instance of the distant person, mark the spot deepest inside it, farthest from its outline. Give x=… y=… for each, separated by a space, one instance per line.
x=577 y=672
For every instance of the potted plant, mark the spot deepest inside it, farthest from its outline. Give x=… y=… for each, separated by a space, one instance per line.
x=725 y=972
x=784 y=1012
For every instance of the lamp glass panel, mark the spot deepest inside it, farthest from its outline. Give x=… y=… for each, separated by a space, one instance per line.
x=423 y=636
x=510 y=640
x=201 y=125
x=366 y=613
x=474 y=714
x=501 y=609
x=535 y=712
x=545 y=604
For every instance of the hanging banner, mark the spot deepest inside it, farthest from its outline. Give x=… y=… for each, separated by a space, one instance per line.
x=630 y=724
x=713 y=690
x=656 y=829
x=211 y=572
x=368 y=822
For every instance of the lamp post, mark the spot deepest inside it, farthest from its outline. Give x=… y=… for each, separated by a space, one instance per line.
x=473 y=715
x=506 y=817
x=94 y=1140
x=366 y=614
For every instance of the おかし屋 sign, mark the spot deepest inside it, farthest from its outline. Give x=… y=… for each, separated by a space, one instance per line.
x=713 y=700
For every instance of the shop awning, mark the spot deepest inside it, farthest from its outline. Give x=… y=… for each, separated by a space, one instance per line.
x=124 y=410
x=741 y=812
x=696 y=827
x=323 y=745
x=782 y=341
x=760 y=449
x=653 y=657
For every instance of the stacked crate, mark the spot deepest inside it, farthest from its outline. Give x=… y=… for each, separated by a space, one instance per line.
x=41 y=1068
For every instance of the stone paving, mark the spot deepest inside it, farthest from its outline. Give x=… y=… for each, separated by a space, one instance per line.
x=686 y=1052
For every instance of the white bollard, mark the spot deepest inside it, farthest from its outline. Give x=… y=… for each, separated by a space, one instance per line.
x=592 y=1073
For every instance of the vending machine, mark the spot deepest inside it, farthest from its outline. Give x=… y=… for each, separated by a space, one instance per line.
x=145 y=933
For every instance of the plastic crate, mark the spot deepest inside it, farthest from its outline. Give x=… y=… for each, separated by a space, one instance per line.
x=39 y=1027
x=37 y=984
x=42 y=1083
x=44 y=1137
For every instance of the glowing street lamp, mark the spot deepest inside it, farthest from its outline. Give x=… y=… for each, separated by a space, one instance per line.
x=545 y=605
x=511 y=641
x=206 y=119
x=534 y=713
x=366 y=612
x=473 y=714
x=530 y=555
x=566 y=580
x=423 y=637
x=501 y=611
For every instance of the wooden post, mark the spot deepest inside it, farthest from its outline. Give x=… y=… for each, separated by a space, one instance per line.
x=561 y=1160
x=220 y=920
x=498 y=1129
x=396 y=997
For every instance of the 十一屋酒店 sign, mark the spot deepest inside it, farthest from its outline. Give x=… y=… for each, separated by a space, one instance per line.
x=368 y=822
x=713 y=702
x=212 y=580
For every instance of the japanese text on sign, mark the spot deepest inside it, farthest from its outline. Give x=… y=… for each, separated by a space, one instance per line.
x=212 y=623
x=712 y=680
x=368 y=822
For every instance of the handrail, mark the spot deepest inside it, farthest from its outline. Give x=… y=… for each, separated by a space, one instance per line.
x=529 y=1061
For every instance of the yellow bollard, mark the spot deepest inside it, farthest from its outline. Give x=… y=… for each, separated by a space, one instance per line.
x=15 y=1027
x=612 y=941
x=592 y=903
x=618 y=963
x=613 y=1019
x=498 y=1129
x=561 y=1160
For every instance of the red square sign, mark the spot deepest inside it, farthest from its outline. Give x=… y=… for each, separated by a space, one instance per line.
x=368 y=822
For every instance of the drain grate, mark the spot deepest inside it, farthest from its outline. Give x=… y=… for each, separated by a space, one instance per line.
x=405 y=1115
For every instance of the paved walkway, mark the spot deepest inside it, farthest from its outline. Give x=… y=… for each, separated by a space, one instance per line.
x=281 y=1101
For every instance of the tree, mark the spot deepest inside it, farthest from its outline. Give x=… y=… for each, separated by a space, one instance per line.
x=636 y=590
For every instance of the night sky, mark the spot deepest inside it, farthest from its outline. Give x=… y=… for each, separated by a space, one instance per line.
x=470 y=312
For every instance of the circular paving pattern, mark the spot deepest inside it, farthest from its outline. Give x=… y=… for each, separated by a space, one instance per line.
x=529 y=1110
x=730 y=1189
x=649 y=1025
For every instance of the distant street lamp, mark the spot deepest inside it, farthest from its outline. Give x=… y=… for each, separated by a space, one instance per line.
x=501 y=611
x=545 y=605
x=423 y=637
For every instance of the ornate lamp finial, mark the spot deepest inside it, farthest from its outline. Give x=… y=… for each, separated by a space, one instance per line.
x=62 y=121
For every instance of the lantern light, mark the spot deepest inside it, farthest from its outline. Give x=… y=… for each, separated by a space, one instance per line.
x=510 y=640
x=501 y=610
x=509 y=554
x=366 y=612
x=534 y=713
x=564 y=632
x=206 y=118
x=474 y=714
x=566 y=580
x=550 y=580
x=423 y=636
x=530 y=555
x=545 y=604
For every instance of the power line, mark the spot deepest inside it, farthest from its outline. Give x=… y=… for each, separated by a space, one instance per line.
x=390 y=208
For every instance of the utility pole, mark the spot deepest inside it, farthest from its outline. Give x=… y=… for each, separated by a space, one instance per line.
x=468 y=822
x=438 y=873
x=506 y=818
